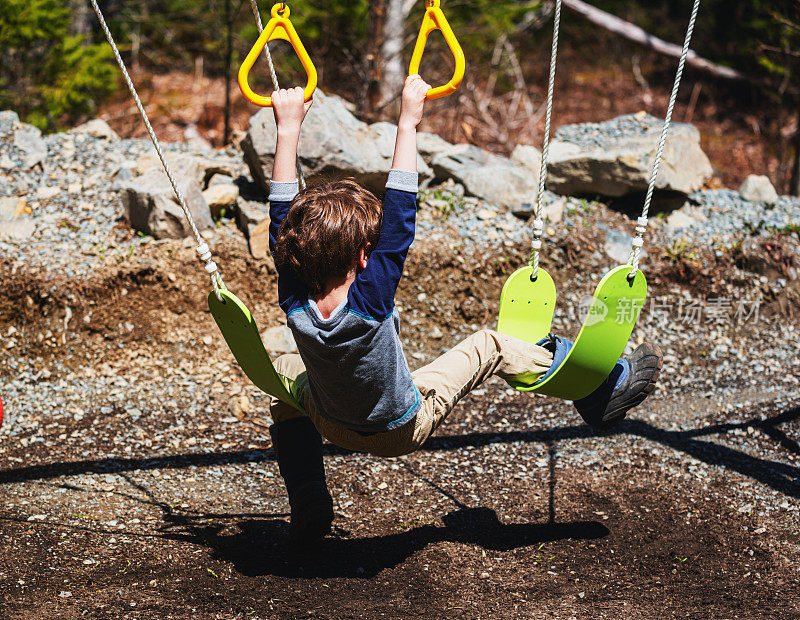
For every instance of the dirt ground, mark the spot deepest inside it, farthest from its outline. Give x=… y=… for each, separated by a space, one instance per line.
x=135 y=483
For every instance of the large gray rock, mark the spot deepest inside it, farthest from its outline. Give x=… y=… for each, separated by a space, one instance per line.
x=150 y=205
x=430 y=145
x=333 y=142
x=221 y=197
x=201 y=169
x=97 y=128
x=615 y=158
x=493 y=178
x=758 y=188
x=21 y=145
x=529 y=157
x=249 y=214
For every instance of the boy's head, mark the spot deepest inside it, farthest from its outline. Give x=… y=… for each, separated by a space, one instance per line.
x=325 y=232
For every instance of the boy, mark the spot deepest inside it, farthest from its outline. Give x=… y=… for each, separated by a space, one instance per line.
x=340 y=256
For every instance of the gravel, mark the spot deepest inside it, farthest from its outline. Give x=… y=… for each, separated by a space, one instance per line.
x=597 y=135
x=724 y=217
x=75 y=204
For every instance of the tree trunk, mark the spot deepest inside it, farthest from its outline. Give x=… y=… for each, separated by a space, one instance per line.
x=794 y=184
x=226 y=132
x=374 y=60
x=637 y=35
x=82 y=16
x=391 y=52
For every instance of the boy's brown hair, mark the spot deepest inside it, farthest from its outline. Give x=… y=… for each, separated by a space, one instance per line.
x=325 y=230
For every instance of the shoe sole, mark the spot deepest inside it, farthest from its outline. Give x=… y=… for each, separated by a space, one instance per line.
x=617 y=413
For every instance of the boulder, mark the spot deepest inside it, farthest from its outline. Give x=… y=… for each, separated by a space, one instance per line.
x=151 y=207
x=220 y=179
x=199 y=169
x=249 y=214
x=98 y=128
x=21 y=145
x=221 y=196
x=279 y=340
x=333 y=142
x=490 y=177
x=529 y=157
x=615 y=158
x=758 y=188
x=430 y=145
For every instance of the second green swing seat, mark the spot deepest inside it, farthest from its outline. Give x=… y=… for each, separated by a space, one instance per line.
x=526 y=312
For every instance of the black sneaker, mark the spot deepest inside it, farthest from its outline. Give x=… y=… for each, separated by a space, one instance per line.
x=312 y=513
x=631 y=381
x=298 y=448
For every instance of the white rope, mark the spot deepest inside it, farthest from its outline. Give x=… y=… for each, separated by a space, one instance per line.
x=641 y=223
x=274 y=76
x=202 y=247
x=538 y=224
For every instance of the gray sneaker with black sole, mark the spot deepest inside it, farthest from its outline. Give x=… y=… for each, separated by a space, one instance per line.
x=633 y=379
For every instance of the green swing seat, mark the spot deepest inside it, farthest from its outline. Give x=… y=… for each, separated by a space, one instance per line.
x=526 y=312
x=244 y=340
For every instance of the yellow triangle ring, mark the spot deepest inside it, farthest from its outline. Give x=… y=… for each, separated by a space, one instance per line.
x=435 y=20
x=279 y=27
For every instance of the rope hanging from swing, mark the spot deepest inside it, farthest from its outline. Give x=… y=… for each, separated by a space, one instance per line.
x=202 y=248
x=538 y=223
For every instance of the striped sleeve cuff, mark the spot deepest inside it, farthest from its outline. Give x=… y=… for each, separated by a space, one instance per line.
x=283 y=191
x=403 y=180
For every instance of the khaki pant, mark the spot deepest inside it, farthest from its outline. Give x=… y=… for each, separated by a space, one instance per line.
x=441 y=384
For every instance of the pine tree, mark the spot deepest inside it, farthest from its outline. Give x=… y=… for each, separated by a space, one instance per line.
x=47 y=75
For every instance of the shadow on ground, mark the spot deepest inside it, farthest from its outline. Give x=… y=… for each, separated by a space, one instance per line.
x=258 y=547
x=779 y=476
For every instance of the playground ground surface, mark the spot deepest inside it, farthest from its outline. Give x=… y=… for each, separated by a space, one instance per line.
x=137 y=477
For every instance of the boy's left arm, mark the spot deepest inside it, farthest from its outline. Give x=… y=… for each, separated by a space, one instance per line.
x=290 y=110
x=374 y=289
